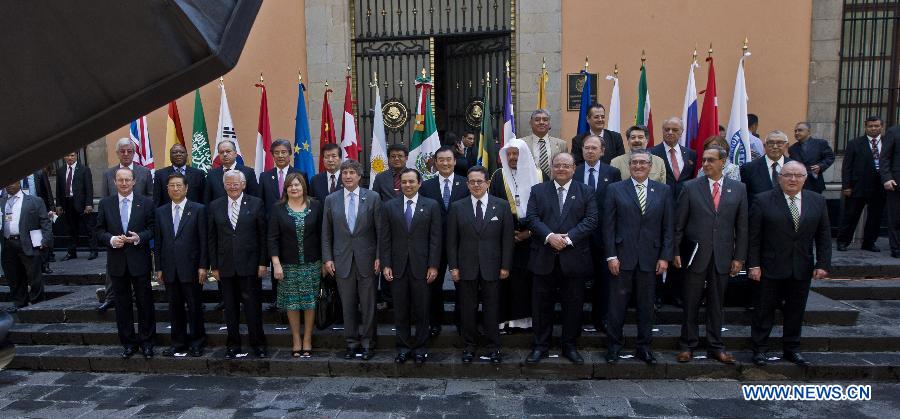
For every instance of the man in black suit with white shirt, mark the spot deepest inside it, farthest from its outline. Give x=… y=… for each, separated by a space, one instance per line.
x=195 y=178
x=862 y=187
x=814 y=153
x=612 y=141
x=329 y=180
x=215 y=187
x=75 y=202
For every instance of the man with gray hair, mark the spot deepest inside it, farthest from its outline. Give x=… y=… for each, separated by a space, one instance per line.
x=814 y=153
x=761 y=175
x=143 y=185
x=543 y=146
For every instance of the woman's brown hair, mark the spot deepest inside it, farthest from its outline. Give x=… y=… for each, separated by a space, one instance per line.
x=288 y=180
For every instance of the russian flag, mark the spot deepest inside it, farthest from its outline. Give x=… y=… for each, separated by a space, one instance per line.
x=689 y=114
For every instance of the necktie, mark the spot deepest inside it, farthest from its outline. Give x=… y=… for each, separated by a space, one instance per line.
x=715 y=195
x=69 y=181
x=396 y=182
x=674 y=163
x=333 y=186
x=408 y=214
x=479 y=216
x=795 y=212
x=446 y=194
x=642 y=198
x=774 y=173
x=875 y=154
x=544 y=161
x=280 y=183
x=123 y=215
x=351 y=212
x=233 y=214
x=561 y=195
x=592 y=180
x=177 y=219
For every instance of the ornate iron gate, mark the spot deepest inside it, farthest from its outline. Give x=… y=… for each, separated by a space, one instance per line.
x=456 y=41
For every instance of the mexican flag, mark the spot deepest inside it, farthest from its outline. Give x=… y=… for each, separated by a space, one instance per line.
x=200 y=156
x=425 y=141
x=644 y=115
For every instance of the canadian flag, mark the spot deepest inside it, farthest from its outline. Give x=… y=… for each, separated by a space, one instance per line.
x=349 y=137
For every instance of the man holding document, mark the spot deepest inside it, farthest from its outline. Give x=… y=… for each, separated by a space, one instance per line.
x=26 y=230
x=711 y=230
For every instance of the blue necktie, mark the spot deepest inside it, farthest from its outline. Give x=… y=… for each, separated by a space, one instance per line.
x=177 y=219
x=351 y=212
x=446 y=193
x=408 y=214
x=592 y=180
x=123 y=214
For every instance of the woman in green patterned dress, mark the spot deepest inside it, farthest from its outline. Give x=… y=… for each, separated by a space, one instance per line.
x=295 y=227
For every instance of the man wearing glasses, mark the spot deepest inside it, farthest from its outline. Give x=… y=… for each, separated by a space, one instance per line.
x=761 y=175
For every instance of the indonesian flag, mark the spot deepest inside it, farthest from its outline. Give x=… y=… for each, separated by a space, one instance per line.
x=263 y=160
x=709 y=116
x=327 y=135
x=349 y=137
x=174 y=134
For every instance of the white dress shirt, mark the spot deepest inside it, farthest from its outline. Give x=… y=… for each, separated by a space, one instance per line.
x=484 y=202
x=415 y=201
x=347 y=200
x=565 y=191
x=587 y=173
x=787 y=198
x=71 y=191
x=769 y=166
x=232 y=202
x=712 y=182
x=679 y=161
x=182 y=205
x=12 y=217
x=536 y=148
x=130 y=198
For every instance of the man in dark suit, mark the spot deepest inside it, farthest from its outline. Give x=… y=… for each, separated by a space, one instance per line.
x=814 y=153
x=638 y=235
x=351 y=252
x=125 y=225
x=612 y=141
x=181 y=262
x=22 y=260
x=412 y=252
x=862 y=187
x=890 y=173
x=195 y=178
x=598 y=176
x=143 y=186
x=711 y=226
x=563 y=216
x=237 y=258
x=75 y=202
x=479 y=254
x=470 y=151
x=215 y=188
x=40 y=187
x=761 y=175
x=785 y=224
x=680 y=163
x=445 y=188
x=329 y=180
x=387 y=183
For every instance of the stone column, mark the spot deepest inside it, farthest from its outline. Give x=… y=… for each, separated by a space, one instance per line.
x=824 y=66
x=95 y=153
x=538 y=35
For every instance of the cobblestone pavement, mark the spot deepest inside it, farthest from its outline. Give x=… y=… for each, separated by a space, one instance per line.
x=71 y=395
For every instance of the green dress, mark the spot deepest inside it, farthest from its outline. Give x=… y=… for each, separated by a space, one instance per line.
x=301 y=281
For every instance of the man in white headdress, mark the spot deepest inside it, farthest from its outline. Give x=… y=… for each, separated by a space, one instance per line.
x=514 y=185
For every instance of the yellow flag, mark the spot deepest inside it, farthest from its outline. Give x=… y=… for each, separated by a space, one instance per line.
x=542 y=89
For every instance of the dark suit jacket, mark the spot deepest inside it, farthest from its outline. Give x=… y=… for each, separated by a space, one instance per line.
x=33 y=216
x=194 y=177
x=719 y=235
x=607 y=175
x=483 y=252
x=432 y=188
x=180 y=255
x=637 y=240
x=578 y=219
x=133 y=258
x=756 y=176
x=215 y=186
x=318 y=187
x=283 y=240
x=890 y=156
x=816 y=152
x=143 y=181
x=858 y=170
x=462 y=165
x=420 y=245
x=612 y=146
x=268 y=187
x=82 y=186
x=687 y=172
x=384 y=185
x=777 y=249
x=42 y=189
x=237 y=251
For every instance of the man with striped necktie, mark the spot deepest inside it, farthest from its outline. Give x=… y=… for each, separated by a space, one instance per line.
x=543 y=146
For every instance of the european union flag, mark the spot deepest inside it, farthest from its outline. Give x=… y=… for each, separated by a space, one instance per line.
x=583 y=126
x=303 y=159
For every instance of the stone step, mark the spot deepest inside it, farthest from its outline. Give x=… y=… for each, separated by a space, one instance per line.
x=665 y=337
x=858 y=289
x=863 y=366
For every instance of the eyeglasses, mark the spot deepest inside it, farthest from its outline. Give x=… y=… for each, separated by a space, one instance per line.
x=639 y=162
x=779 y=143
x=709 y=160
x=476 y=182
x=562 y=166
x=793 y=175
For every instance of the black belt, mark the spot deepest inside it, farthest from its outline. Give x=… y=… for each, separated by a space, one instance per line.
x=13 y=237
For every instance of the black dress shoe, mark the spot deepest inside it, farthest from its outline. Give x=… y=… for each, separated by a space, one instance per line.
x=759 y=359
x=93 y=255
x=535 y=356
x=196 y=351
x=171 y=351
x=69 y=257
x=612 y=357
x=434 y=331
x=401 y=357
x=645 y=356
x=420 y=358
x=350 y=353
x=51 y=257
x=467 y=357
x=147 y=351
x=842 y=247
x=367 y=354
x=12 y=309
x=496 y=358
x=106 y=306
x=231 y=353
x=128 y=352
x=261 y=352
x=45 y=268
x=574 y=356
x=796 y=358
x=871 y=248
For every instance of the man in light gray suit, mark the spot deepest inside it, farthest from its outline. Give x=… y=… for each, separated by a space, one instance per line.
x=143 y=185
x=350 y=251
x=711 y=229
x=23 y=214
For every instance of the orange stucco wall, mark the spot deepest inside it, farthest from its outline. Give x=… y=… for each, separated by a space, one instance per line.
x=615 y=32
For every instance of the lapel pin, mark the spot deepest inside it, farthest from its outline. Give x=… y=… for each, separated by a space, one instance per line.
x=493 y=207
x=456 y=184
x=728 y=190
x=421 y=210
x=652 y=190
x=606 y=179
x=273 y=177
x=189 y=213
x=573 y=197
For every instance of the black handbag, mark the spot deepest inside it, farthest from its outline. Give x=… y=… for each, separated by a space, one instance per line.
x=328 y=303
